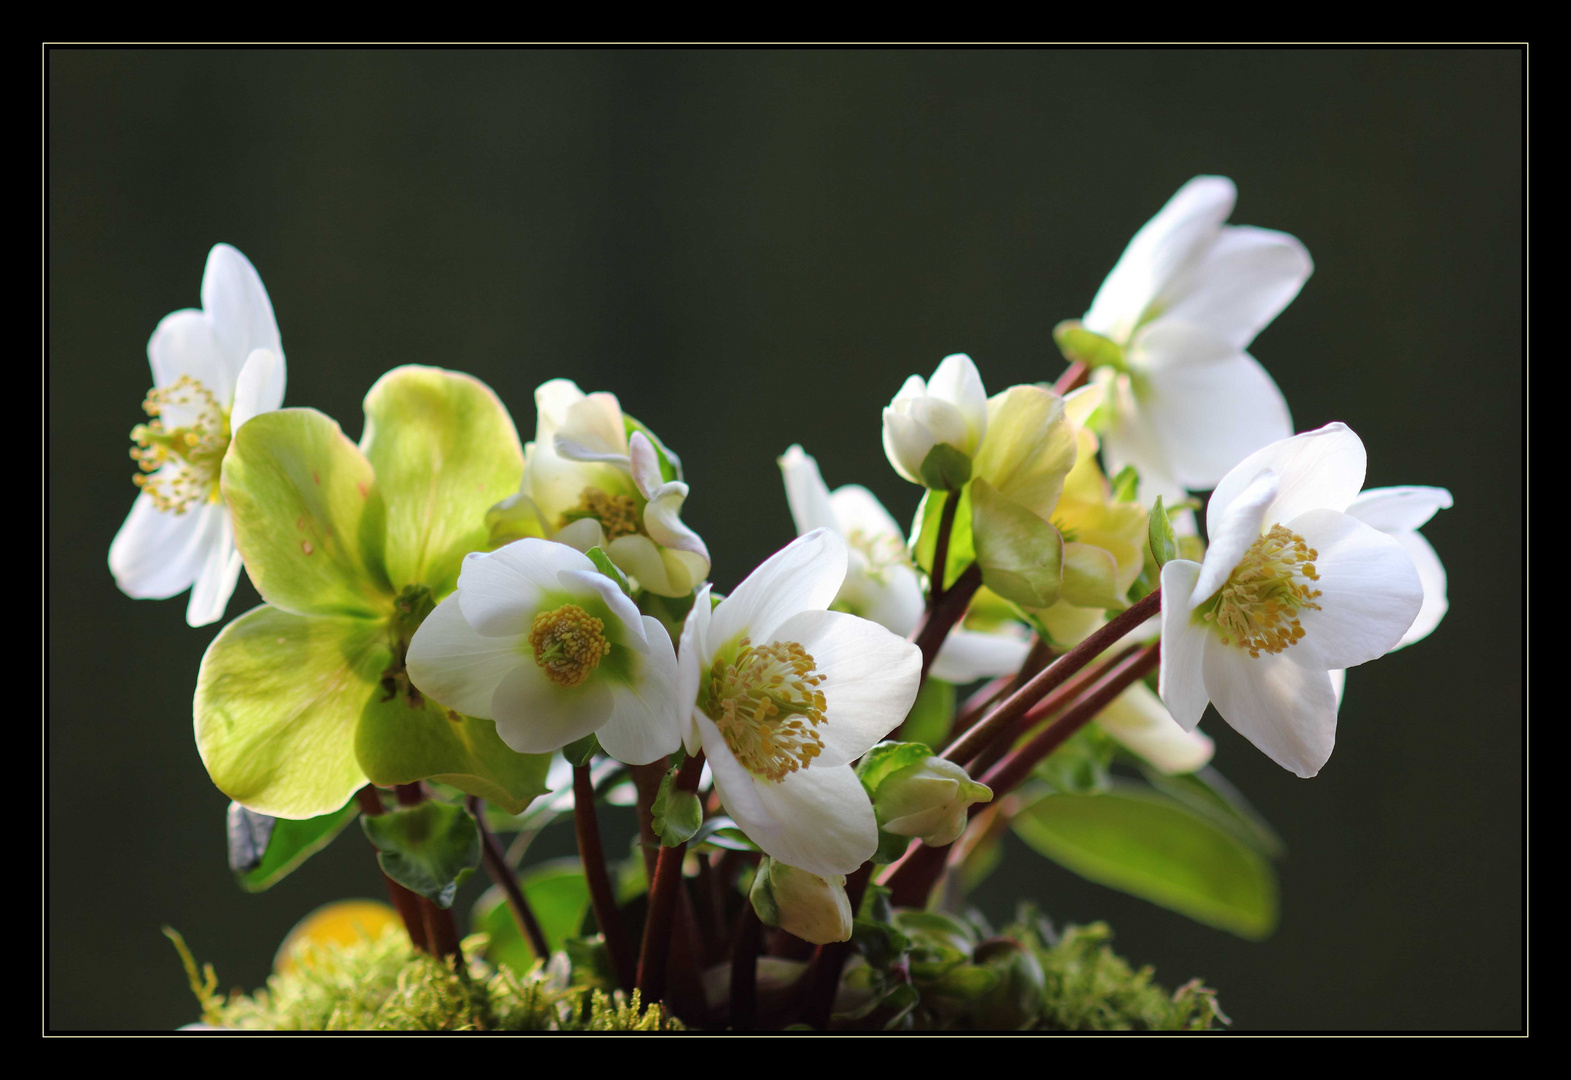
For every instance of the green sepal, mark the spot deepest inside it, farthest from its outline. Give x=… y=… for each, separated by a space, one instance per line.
x=670 y=464
x=932 y=714
x=886 y=759
x=278 y=697
x=1164 y=545
x=677 y=814
x=1143 y=843
x=403 y=738
x=264 y=850
x=429 y=849
x=1126 y=484
x=308 y=514
x=929 y=515
x=946 y=468
x=1022 y=556
x=762 y=895
x=1087 y=346
x=444 y=450
x=1090 y=577
x=890 y=847
x=604 y=564
x=580 y=751
x=559 y=897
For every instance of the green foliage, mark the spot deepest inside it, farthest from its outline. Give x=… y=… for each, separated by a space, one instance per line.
x=1022 y=556
x=945 y=468
x=677 y=814
x=265 y=850
x=604 y=564
x=429 y=849
x=383 y=985
x=1164 y=547
x=932 y=714
x=1088 y=347
x=929 y=516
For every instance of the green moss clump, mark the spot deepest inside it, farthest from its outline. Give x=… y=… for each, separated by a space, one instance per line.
x=1091 y=988
x=384 y=985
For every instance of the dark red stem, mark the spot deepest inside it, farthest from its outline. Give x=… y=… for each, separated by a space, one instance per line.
x=601 y=895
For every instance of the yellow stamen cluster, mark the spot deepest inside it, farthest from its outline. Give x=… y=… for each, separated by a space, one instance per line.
x=568 y=644
x=766 y=704
x=617 y=514
x=1258 y=607
x=882 y=551
x=180 y=466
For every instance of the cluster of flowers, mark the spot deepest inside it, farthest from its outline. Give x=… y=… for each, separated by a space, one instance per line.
x=445 y=604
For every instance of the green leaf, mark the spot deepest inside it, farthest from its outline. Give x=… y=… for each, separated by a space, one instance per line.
x=1022 y=556
x=721 y=832
x=582 y=750
x=400 y=740
x=677 y=814
x=264 y=850
x=444 y=450
x=1142 y=843
x=888 y=758
x=278 y=698
x=1164 y=546
x=429 y=849
x=604 y=564
x=308 y=515
x=1079 y=766
x=1206 y=792
x=890 y=847
x=929 y=514
x=1088 y=347
x=932 y=714
x=1126 y=484
x=559 y=897
x=945 y=468
x=1090 y=577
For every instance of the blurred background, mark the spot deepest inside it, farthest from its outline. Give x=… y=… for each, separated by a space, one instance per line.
x=753 y=249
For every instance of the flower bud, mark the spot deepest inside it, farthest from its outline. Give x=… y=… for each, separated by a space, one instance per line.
x=928 y=800
x=949 y=410
x=815 y=909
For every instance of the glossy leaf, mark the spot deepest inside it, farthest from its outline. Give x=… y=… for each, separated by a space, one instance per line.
x=559 y=897
x=677 y=813
x=264 y=850
x=429 y=849
x=1022 y=556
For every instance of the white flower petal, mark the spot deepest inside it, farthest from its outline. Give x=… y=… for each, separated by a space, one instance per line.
x=806 y=493
x=184 y=343
x=237 y=306
x=260 y=387
x=1165 y=246
x=157 y=554
x=592 y=430
x=818 y=818
x=1318 y=470
x=1398 y=509
x=1232 y=532
x=1432 y=576
x=581 y=582
x=644 y=720
x=1338 y=685
x=805 y=575
x=857 y=510
x=663 y=522
x=552 y=400
x=893 y=599
x=220 y=571
x=691 y=662
x=871 y=677
x=1286 y=709
x=1370 y=592
x=581 y=535
x=1181 y=679
x=958 y=382
x=501 y=592
x=1210 y=404
x=535 y=716
x=906 y=444
x=1138 y=719
x=456 y=666
x=1237 y=287
x=644 y=464
x=968 y=655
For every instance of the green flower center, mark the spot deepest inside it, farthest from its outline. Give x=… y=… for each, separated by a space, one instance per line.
x=180 y=465
x=766 y=703
x=1257 y=609
x=568 y=644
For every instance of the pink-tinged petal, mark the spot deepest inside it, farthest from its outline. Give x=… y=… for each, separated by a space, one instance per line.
x=184 y=343
x=1370 y=593
x=645 y=465
x=157 y=554
x=456 y=666
x=644 y=723
x=805 y=575
x=819 y=819
x=1210 y=404
x=1399 y=509
x=1318 y=470
x=1243 y=282
x=1181 y=678
x=691 y=661
x=1232 y=532
x=260 y=387
x=1286 y=709
x=239 y=309
x=631 y=632
x=806 y=493
x=1180 y=234
x=502 y=591
x=870 y=679
x=535 y=716
x=220 y=571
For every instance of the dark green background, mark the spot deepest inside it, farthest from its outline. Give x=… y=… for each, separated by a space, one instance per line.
x=753 y=249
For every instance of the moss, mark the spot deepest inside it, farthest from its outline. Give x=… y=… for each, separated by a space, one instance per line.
x=1091 y=988
x=384 y=985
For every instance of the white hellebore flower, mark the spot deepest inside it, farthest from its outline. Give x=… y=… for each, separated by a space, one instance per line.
x=783 y=695
x=881 y=584
x=552 y=650
x=1292 y=588
x=213 y=370
x=815 y=909
x=587 y=484
x=950 y=408
x=1182 y=304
